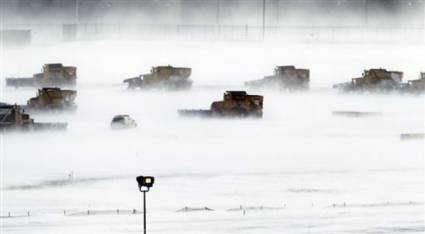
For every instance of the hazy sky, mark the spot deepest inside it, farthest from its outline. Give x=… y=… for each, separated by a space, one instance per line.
x=225 y=12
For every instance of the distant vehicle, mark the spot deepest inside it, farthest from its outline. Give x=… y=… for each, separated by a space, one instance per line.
x=162 y=77
x=53 y=75
x=234 y=104
x=373 y=80
x=12 y=117
x=284 y=78
x=52 y=99
x=123 y=122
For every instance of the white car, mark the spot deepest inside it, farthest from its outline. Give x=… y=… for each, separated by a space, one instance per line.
x=123 y=122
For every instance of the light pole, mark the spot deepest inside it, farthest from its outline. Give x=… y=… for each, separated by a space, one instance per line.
x=366 y=13
x=77 y=11
x=145 y=183
x=264 y=18
x=217 y=12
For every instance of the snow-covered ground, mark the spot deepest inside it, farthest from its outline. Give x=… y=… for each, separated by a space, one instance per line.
x=298 y=170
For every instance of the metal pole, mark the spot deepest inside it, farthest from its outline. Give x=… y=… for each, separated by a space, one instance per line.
x=264 y=18
x=77 y=11
x=366 y=12
x=144 y=212
x=423 y=23
x=217 y=13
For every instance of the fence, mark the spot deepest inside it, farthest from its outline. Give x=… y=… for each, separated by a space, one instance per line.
x=45 y=33
x=241 y=208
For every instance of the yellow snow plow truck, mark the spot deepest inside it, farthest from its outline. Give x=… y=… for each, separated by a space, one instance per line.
x=234 y=104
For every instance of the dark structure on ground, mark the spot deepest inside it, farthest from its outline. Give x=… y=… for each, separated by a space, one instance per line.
x=356 y=114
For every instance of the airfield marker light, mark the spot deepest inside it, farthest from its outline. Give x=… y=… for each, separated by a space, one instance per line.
x=144 y=183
